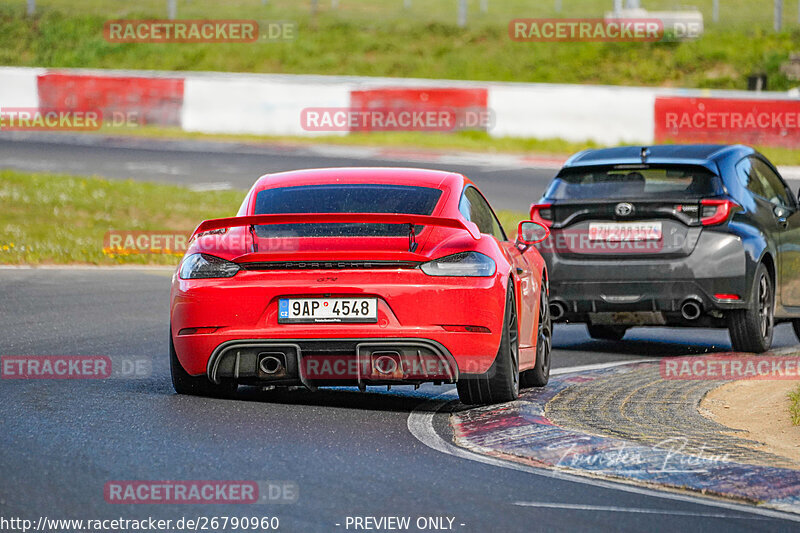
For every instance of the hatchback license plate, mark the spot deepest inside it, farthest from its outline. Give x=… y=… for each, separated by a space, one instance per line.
x=624 y=231
x=327 y=310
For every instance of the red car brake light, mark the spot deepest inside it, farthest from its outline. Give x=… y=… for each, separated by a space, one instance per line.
x=715 y=211
x=542 y=214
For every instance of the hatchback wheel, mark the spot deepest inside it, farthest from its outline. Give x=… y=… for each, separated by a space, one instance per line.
x=751 y=329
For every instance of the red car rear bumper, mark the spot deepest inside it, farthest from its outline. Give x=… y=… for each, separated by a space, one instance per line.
x=439 y=311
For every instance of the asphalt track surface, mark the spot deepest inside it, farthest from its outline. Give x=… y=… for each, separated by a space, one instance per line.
x=350 y=453
x=213 y=164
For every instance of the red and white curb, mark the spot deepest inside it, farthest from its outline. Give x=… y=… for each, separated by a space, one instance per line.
x=420 y=424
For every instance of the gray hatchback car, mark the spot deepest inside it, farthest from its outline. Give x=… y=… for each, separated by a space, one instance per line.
x=684 y=235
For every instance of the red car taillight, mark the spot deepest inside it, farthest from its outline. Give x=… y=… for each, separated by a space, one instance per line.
x=715 y=211
x=542 y=214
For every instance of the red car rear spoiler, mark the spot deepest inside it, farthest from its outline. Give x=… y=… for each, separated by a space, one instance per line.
x=334 y=218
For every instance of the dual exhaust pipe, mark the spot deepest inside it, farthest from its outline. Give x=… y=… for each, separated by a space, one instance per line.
x=274 y=364
x=691 y=309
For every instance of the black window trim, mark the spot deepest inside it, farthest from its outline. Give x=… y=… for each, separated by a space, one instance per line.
x=491 y=210
x=774 y=169
x=795 y=205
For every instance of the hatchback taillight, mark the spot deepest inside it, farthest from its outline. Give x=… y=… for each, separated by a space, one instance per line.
x=542 y=214
x=714 y=211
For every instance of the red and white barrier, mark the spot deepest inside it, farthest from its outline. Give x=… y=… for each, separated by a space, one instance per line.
x=266 y=105
x=271 y=104
x=18 y=87
x=606 y=115
x=728 y=120
x=156 y=101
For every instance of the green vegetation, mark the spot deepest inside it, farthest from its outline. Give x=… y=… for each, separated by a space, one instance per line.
x=380 y=38
x=54 y=219
x=510 y=220
x=794 y=406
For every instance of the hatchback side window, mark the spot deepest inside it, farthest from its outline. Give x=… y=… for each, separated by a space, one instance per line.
x=748 y=178
x=777 y=192
x=476 y=209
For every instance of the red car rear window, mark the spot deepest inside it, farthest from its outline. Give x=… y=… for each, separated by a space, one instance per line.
x=344 y=198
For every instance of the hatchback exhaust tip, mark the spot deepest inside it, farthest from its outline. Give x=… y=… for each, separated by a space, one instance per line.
x=557 y=310
x=691 y=309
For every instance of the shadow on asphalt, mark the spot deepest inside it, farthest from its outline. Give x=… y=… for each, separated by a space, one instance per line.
x=656 y=342
x=637 y=348
x=400 y=399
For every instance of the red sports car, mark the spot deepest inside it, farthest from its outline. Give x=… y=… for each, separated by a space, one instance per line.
x=361 y=276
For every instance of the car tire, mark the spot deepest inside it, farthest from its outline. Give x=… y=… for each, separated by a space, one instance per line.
x=752 y=329
x=606 y=333
x=796 y=326
x=539 y=375
x=501 y=383
x=184 y=383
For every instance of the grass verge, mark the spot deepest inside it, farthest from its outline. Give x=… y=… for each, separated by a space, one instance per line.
x=56 y=219
x=794 y=406
x=382 y=40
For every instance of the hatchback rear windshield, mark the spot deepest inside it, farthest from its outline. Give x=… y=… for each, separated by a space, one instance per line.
x=634 y=181
x=344 y=198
